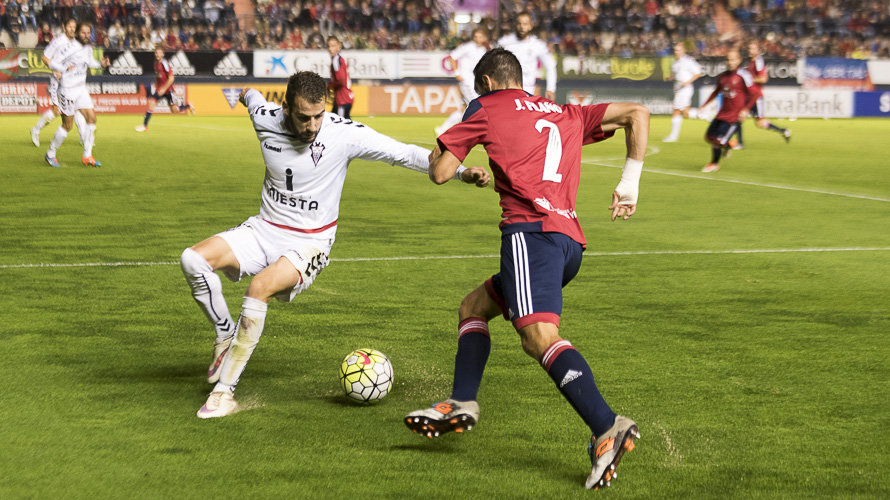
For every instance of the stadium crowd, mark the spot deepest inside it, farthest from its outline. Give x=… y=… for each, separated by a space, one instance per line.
x=788 y=28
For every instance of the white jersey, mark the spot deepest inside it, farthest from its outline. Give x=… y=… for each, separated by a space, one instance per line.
x=683 y=69
x=55 y=47
x=77 y=57
x=467 y=55
x=304 y=182
x=529 y=52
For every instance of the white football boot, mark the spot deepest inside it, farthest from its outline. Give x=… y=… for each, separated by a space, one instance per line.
x=219 y=404
x=608 y=449
x=442 y=417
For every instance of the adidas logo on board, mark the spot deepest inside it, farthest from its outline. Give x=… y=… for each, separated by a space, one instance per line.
x=181 y=64
x=230 y=65
x=125 y=64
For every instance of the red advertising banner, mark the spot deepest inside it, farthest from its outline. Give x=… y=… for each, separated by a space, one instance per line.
x=108 y=97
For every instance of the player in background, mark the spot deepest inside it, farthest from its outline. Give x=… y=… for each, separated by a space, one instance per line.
x=73 y=63
x=340 y=83
x=286 y=246
x=734 y=85
x=57 y=45
x=685 y=70
x=534 y=150
x=530 y=50
x=757 y=68
x=463 y=59
x=164 y=79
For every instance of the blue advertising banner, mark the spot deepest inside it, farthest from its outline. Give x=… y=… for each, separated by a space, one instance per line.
x=871 y=104
x=822 y=72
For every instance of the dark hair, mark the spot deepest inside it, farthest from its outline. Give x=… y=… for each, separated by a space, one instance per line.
x=500 y=65
x=81 y=25
x=307 y=85
x=332 y=37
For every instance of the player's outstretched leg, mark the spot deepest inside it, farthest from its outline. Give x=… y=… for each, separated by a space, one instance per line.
x=54 y=145
x=44 y=120
x=714 y=166
x=250 y=328
x=460 y=412
x=207 y=292
x=89 y=140
x=82 y=126
x=444 y=416
x=606 y=451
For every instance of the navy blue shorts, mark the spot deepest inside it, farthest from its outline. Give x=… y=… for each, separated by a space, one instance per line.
x=534 y=269
x=167 y=96
x=720 y=131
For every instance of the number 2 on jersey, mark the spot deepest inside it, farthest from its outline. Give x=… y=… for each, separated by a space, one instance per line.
x=554 y=150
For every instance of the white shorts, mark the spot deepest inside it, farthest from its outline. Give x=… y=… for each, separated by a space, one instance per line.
x=257 y=244
x=683 y=97
x=72 y=99
x=53 y=90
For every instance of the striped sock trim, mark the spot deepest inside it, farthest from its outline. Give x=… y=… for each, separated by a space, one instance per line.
x=472 y=325
x=553 y=352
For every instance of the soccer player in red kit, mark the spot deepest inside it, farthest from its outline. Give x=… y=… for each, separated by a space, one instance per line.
x=534 y=150
x=757 y=68
x=735 y=87
x=163 y=90
x=340 y=83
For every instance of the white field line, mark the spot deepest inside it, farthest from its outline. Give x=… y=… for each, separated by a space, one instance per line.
x=600 y=162
x=493 y=256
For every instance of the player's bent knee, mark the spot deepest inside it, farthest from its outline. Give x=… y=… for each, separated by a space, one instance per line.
x=192 y=263
x=478 y=304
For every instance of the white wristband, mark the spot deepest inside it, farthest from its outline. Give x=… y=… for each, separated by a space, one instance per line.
x=460 y=169
x=629 y=186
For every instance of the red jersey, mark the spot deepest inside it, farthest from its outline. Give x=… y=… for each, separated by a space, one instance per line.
x=534 y=151
x=735 y=87
x=163 y=72
x=757 y=68
x=340 y=81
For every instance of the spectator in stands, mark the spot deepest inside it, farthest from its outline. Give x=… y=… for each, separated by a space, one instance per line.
x=220 y=43
x=44 y=35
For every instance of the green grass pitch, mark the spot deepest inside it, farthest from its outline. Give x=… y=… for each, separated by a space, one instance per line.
x=741 y=318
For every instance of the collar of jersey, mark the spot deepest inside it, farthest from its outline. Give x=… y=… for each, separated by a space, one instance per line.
x=505 y=90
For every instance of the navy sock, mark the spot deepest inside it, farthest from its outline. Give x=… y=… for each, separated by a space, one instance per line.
x=147 y=117
x=777 y=129
x=473 y=348
x=573 y=377
x=183 y=107
x=739 y=132
x=715 y=155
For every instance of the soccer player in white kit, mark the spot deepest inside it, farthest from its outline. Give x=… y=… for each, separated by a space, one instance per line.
x=529 y=49
x=73 y=63
x=464 y=57
x=286 y=246
x=685 y=70
x=57 y=45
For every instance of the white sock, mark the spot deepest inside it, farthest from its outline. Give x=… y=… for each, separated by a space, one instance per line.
x=676 y=125
x=89 y=140
x=207 y=292
x=44 y=120
x=57 y=141
x=250 y=327
x=81 y=123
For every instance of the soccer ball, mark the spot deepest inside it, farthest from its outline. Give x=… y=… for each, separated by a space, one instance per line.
x=366 y=375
